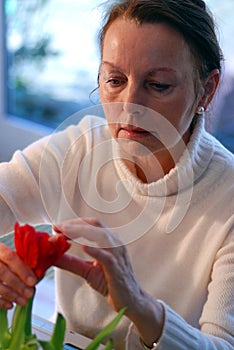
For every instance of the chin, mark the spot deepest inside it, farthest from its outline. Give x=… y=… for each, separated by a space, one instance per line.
x=137 y=149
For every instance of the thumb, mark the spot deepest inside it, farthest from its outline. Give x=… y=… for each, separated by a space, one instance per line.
x=91 y=271
x=73 y=264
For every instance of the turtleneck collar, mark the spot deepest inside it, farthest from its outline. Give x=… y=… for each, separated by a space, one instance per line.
x=190 y=166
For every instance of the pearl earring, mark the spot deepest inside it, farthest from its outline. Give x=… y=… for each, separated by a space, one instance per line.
x=200 y=110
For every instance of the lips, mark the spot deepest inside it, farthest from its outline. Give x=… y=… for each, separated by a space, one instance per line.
x=129 y=131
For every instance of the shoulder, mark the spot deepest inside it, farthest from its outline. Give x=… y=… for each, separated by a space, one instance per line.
x=73 y=139
x=222 y=158
x=75 y=131
x=89 y=129
x=214 y=187
x=220 y=175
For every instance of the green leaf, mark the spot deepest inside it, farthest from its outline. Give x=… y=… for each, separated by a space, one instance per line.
x=109 y=345
x=58 y=335
x=5 y=335
x=30 y=346
x=46 y=345
x=106 y=331
x=31 y=343
x=57 y=338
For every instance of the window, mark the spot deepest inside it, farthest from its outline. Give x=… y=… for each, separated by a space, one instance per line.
x=52 y=57
x=223 y=109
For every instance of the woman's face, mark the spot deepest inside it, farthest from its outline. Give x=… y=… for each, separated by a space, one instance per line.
x=149 y=70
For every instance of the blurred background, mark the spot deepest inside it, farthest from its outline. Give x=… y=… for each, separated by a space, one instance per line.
x=49 y=62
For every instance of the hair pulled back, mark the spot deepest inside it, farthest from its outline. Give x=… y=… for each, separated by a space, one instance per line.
x=189 y=17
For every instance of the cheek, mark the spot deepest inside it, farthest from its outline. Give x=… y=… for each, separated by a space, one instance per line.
x=112 y=111
x=180 y=111
x=101 y=91
x=104 y=95
x=188 y=107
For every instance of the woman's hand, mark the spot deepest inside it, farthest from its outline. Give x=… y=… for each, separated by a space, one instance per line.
x=17 y=281
x=110 y=272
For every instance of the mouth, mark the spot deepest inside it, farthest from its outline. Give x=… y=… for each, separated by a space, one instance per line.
x=129 y=131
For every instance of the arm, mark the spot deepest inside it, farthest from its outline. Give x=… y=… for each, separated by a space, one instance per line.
x=32 y=187
x=20 y=200
x=111 y=274
x=31 y=184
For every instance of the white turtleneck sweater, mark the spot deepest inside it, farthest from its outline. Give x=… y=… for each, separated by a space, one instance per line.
x=178 y=230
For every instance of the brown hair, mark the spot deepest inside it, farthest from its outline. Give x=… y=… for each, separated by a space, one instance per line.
x=189 y=17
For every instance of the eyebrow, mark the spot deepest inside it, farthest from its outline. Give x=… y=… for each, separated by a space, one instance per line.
x=161 y=69
x=111 y=65
x=151 y=72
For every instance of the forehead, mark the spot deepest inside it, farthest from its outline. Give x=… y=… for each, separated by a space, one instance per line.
x=148 y=44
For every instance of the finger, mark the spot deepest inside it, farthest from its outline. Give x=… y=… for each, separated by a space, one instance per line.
x=104 y=256
x=21 y=271
x=83 y=230
x=78 y=223
x=4 y=304
x=96 y=278
x=91 y=271
x=96 y=236
x=9 y=296
x=116 y=266
x=16 y=276
x=12 y=284
x=73 y=264
x=83 y=220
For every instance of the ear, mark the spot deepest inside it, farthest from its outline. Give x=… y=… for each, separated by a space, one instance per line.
x=210 y=85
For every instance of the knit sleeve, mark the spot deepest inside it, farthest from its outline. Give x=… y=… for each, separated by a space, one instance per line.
x=20 y=198
x=217 y=320
x=31 y=185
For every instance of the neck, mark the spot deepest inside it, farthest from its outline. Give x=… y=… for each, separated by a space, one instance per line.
x=153 y=168
x=157 y=165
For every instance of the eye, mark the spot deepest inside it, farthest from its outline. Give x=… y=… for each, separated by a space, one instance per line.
x=115 y=82
x=159 y=86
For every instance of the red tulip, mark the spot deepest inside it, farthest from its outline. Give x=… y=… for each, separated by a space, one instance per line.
x=38 y=249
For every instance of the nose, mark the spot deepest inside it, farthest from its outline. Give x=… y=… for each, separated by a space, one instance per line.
x=133 y=108
x=133 y=101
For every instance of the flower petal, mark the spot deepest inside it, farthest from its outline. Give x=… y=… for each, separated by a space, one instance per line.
x=38 y=249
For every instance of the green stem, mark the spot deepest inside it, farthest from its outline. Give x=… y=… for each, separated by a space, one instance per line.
x=28 y=321
x=3 y=322
x=18 y=328
x=46 y=345
x=4 y=331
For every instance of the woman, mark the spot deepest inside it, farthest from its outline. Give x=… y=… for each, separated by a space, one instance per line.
x=148 y=195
